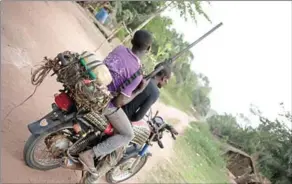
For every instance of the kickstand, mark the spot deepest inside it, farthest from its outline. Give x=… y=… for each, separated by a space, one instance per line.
x=82 y=177
x=82 y=173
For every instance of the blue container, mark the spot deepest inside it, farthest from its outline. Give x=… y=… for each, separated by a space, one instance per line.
x=102 y=15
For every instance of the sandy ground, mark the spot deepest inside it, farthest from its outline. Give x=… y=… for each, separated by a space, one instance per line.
x=30 y=31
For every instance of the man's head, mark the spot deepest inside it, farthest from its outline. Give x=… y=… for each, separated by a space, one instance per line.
x=142 y=41
x=164 y=75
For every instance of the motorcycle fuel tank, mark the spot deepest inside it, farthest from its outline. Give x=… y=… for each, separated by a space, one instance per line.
x=141 y=128
x=141 y=131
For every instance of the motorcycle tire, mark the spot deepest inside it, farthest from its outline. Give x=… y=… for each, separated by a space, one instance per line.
x=109 y=175
x=28 y=152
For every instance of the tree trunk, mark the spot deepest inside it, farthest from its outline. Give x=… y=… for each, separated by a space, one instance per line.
x=146 y=22
x=116 y=30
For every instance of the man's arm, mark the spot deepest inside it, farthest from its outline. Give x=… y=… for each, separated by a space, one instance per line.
x=119 y=100
x=138 y=115
x=137 y=92
x=125 y=95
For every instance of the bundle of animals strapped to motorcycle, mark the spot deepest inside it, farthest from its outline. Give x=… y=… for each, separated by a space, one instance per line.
x=76 y=122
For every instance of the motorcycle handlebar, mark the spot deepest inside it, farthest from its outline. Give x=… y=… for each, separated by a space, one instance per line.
x=172 y=131
x=173 y=136
x=160 y=144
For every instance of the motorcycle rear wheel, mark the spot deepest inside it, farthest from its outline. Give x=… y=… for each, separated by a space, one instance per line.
x=29 y=153
x=110 y=178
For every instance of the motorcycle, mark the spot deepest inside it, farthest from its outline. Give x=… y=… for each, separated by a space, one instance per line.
x=66 y=132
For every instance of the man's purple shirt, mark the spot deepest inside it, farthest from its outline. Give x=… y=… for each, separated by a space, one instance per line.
x=122 y=64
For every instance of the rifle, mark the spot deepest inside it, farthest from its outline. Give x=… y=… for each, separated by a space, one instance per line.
x=180 y=53
x=169 y=61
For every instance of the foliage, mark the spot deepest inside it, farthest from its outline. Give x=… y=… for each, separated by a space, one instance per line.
x=134 y=13
x=201 y=102
x=196 y=159
x=270 y=142
x=190 y=88
x=191 y=9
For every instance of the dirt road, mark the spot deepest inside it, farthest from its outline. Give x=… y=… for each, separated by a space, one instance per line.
x=30 y=31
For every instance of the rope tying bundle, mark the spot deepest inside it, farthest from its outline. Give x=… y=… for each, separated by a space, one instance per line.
x=74 y=77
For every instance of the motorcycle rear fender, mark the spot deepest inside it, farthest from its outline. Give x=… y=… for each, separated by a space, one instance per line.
x=47 y=123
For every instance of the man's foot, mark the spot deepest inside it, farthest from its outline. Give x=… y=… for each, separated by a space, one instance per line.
x=86 y=158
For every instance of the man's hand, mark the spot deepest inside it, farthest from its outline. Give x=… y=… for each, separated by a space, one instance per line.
x=171 y=129
x=137 y=91
x=141 y=86
x=119 y=100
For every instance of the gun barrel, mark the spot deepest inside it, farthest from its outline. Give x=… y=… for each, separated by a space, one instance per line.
x=173 y=58
x=197 y=41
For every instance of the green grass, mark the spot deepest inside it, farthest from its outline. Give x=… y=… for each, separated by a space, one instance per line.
x=197 y=160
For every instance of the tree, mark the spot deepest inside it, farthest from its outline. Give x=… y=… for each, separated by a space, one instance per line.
x=201 y=101
x=140 y=10
x=275 y=153
x=191 y=9
x=184 y=83
x=144 y=23
x=187 y=9
x=144 y=11
x=271 y=142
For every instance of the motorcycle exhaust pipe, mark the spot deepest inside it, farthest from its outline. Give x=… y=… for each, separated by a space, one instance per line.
x=67 y=163
x=132 y=155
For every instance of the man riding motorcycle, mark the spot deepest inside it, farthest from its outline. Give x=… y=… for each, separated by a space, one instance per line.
x=123 y=64
x=138 y=107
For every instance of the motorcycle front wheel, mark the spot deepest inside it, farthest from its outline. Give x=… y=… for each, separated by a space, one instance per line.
x=44 y=152
x=122 y=172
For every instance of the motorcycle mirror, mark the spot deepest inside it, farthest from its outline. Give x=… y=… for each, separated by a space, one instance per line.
x=156 y=113
x=150 y=113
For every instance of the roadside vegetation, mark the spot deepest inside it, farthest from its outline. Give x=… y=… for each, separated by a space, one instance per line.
x=196 y=159
x=269 y=143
